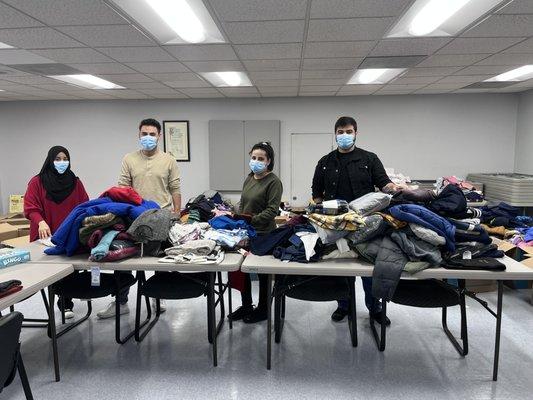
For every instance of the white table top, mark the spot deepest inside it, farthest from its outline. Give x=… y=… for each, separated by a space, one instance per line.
x=356 y=267
x=232 y=262
x=34 y=277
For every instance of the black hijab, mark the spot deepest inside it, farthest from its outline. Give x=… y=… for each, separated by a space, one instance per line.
x=58 y=186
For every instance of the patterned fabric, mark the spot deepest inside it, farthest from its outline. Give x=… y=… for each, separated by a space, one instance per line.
x=395 y=223
x=351 y=221
x=97 y=222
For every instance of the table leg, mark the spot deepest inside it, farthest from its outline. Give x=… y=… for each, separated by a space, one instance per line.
x=52 y=324
x=498 y=331
x=269 y=321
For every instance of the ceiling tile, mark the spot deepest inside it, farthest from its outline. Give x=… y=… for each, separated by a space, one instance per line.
x=394 y=86
x=214 y=66
x=331 y=63
x=177 y=76
x=259 y=10
x=499 y=25
x=449 y=60
x=260 y=75
x=127 y=94
x=525 y=47
x=69 y=12
x=269 y=51
x=103 y=68
x=279 y=94
x=237 y=90
x=508 y=59
x=206 y=52
x=137 y=54
x=316 y=94
x=466 y=79
x=338 y=49
x=416 y=80
x=142 y=86
x=193 y=83
x=79 y=55
x=158 y=67
x=36 y=38
x=278 y=90
x=276 y=82
x=107 y=35
x=271 y=65
x=158 y=91
x=325 y=82
x=30 y=80
x=478 y=45
x=319 y=88
x=431 y=71
x=12 y=56
x=432 y=91
x=391 y=61
x=265 y=32
x=518 y=7
x=127 y=78
x=483 y=69
x=175 y=95
x=207 y=92
x=359 y=8
x=350 y=90
x=331 y=74
x=331 y=30
x=446 y=86
x=407 y=47
x=11 y=18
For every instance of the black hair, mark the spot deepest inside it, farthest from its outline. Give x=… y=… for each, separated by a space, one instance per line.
x=151 y=122
x=345 y=121
x=267 y=148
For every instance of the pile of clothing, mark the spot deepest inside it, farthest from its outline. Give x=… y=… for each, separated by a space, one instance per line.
x=204 y=207
x=472 y=194
x=506 y=222
x=409 y=231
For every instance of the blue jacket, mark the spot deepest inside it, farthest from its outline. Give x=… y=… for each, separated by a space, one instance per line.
x=428 y=219
x=225 y=222
x=66 y=238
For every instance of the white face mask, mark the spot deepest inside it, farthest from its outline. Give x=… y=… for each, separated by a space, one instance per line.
x=61 y=166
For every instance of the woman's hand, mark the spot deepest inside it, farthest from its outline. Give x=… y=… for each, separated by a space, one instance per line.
x=44 y=230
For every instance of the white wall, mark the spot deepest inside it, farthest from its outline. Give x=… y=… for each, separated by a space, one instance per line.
x=524 y=134
x=424 y=136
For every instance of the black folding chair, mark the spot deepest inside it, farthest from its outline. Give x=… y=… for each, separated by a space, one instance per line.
x=313 y=288
x=78 y=286
x=429 y=293
x=10 y=358
x=180 y=286
x=35 y=322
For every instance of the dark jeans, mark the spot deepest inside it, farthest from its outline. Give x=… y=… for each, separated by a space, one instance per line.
x=246 y=294
x=122 y=296
x=69 y=305
x=373 y=304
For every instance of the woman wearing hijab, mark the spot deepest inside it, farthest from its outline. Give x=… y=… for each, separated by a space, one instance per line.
x=49 y=199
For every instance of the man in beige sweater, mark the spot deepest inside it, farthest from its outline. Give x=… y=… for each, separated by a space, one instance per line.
x=155 y=176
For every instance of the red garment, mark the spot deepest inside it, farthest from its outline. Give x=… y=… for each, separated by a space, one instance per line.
x=123 y=194
x=38 y=208
x=236 y=280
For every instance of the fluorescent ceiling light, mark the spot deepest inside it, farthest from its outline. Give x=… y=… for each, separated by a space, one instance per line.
x=374 y=76
x=5 y=46
x=173 y=21
x=87 y=81
x=515 y=75
x=440 y=17
x=227 y=78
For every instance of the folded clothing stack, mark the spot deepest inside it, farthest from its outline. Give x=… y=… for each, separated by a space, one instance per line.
x=330 y=207
x=10 y=287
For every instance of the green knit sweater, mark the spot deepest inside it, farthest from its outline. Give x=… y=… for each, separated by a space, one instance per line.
x=261 y=198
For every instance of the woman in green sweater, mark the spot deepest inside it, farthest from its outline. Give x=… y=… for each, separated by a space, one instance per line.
x=260 y=198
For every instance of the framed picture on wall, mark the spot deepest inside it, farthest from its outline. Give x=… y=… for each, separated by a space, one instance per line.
x=176 y=139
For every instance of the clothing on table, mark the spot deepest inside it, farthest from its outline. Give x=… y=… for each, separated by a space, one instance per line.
x=361 y=172
x=196 y=247
x=102 y=249
x=38 y=207
x=119 y=250
x=215 y=257
x=123 y=194
x=99 y=234
x=475 y=221
x=469 y=213
x=264 y=244
x=393 y=222
x=426 y=218
x=227 y=223
x=309 y=240
x=476 y=251
x=374 y=225
x=261 y=198
x=370 y=203
x=66 y=238
x=427 y=235
x=155 y=178
x=481 y=263
x=98 y=222
x=226 y=238
x=328 y=236
x=450 y=202
x=415 y=248
x=329 y=207
x=201 y=209
x=470 y=233
x=180 y=233
x=351 y=221
x=406 y=195
x=500 y=231
x=152 y=226
x=334 y=253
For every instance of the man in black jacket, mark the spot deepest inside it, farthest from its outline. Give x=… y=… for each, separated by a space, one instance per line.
x=347 y=174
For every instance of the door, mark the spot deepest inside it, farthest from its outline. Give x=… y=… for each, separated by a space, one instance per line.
x=306 y=150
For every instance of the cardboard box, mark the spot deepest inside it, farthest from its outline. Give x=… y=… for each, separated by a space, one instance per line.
x=8 y=231
x=10 y=257
x=23 y=230
x=14 y=219
x=480 y=286
x=17 y=242
x=528 y=262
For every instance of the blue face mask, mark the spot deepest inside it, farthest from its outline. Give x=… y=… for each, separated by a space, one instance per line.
x=148 y=143
x=257 y=167
x=345 y=141
x=61 y=166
